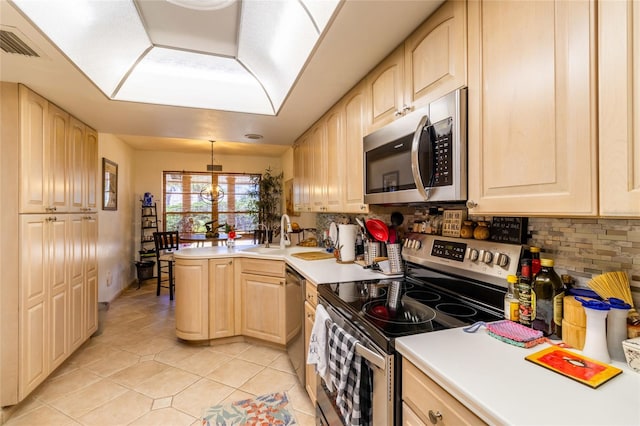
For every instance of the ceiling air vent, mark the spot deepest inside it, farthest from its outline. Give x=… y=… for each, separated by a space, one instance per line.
x=11 y=43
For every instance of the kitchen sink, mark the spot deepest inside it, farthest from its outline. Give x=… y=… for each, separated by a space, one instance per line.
x=276 y=250
x=266 y=250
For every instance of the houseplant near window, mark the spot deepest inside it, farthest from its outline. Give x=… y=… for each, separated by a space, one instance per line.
x=268 y=205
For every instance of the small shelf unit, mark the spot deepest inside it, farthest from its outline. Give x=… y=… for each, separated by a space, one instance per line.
x=148 y=225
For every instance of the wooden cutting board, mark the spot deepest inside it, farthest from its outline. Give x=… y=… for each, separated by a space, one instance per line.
x=313 y=255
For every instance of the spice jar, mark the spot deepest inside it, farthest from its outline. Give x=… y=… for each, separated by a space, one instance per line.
x=482 y=231
x=466 y=231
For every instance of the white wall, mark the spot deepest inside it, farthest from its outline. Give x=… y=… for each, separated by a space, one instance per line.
x=116 y=229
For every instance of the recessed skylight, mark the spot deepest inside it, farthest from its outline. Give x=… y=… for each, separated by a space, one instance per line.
x=187 y=53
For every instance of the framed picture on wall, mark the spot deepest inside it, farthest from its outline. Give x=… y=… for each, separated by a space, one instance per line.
x=109 y=185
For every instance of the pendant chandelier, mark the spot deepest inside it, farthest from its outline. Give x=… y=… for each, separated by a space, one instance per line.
x=212 y=193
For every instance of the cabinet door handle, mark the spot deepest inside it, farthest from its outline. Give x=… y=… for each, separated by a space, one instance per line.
x=434 y=417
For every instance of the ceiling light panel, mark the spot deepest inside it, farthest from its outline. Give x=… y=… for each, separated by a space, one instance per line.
x=103 y=38
x=205 y=31
x=276 y=38
x=321 y=11
x=174 y=77
x=154 y=51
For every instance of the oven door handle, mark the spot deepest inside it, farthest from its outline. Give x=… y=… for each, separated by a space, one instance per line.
x=371 y=356
x=366 y=353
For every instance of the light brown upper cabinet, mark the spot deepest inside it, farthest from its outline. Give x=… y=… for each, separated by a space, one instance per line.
x=328 y=163
x=532 y=108
x=385 y=87
x=619 y=107
x=83 y=153
x=302 y=165
x=435 y=55
x=352 y=183
x=319 y=167
x=334 y=162
x=430 y=63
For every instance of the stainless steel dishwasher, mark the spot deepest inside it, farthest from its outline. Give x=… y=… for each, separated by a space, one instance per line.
x=295 y=284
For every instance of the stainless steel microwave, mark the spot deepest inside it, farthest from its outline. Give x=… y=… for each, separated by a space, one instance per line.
x=421 y=157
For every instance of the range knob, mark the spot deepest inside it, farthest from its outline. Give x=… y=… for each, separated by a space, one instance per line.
x=417 y=244
x=487 y=257
x=473 y=254
x=502 y=260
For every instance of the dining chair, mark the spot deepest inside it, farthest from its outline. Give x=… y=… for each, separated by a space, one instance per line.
x=166 y=244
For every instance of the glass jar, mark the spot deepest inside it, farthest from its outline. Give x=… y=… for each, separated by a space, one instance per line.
x=511 y=302
x=482 y=231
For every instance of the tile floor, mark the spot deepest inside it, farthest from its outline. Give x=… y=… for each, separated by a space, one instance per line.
x=137 y=373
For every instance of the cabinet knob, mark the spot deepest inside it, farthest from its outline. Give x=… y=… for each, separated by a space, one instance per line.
x=398 y=113
x=434 y=417
x=471 y=204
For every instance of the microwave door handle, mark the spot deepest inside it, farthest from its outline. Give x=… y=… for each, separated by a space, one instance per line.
x=415 y=163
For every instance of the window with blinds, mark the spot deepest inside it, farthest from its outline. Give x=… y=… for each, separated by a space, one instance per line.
x=186 y=207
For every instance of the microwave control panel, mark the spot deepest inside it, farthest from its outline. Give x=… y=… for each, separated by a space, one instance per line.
x=442 y=153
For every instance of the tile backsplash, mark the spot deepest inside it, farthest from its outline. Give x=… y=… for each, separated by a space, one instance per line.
x=581 y=247
x=588 y=247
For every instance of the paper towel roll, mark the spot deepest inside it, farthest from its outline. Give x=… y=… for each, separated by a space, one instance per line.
x=347 y=242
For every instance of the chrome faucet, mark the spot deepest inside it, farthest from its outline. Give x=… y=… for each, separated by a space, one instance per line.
x=266 y=234
x=284 y=237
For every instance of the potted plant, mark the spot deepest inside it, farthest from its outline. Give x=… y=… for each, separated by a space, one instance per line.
x=268 y=190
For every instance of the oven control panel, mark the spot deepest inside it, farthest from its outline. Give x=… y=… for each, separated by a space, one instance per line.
x=483 y=260
x=449 y=250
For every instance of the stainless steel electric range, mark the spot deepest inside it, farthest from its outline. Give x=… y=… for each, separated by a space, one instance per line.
x=448 y=282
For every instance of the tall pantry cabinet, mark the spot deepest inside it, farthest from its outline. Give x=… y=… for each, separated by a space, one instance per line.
x=50 y=307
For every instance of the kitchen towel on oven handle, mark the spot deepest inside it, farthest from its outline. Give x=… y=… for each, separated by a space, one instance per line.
x=317 y=353
x=350 y=376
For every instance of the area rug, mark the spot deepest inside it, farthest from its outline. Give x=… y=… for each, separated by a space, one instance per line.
x=262 y=410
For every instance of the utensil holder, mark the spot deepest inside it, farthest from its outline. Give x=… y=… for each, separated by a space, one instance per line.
x=395 y=258
x=393 y=297
x=371 y=251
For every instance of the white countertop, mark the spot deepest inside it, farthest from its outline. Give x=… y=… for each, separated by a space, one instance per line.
x=494 y=380
x=318 y=271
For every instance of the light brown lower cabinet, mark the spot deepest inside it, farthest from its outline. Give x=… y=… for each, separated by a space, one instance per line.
x=424 y=402
x=226 y=297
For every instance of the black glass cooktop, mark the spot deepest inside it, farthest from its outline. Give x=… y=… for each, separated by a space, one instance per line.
x=387 y=309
